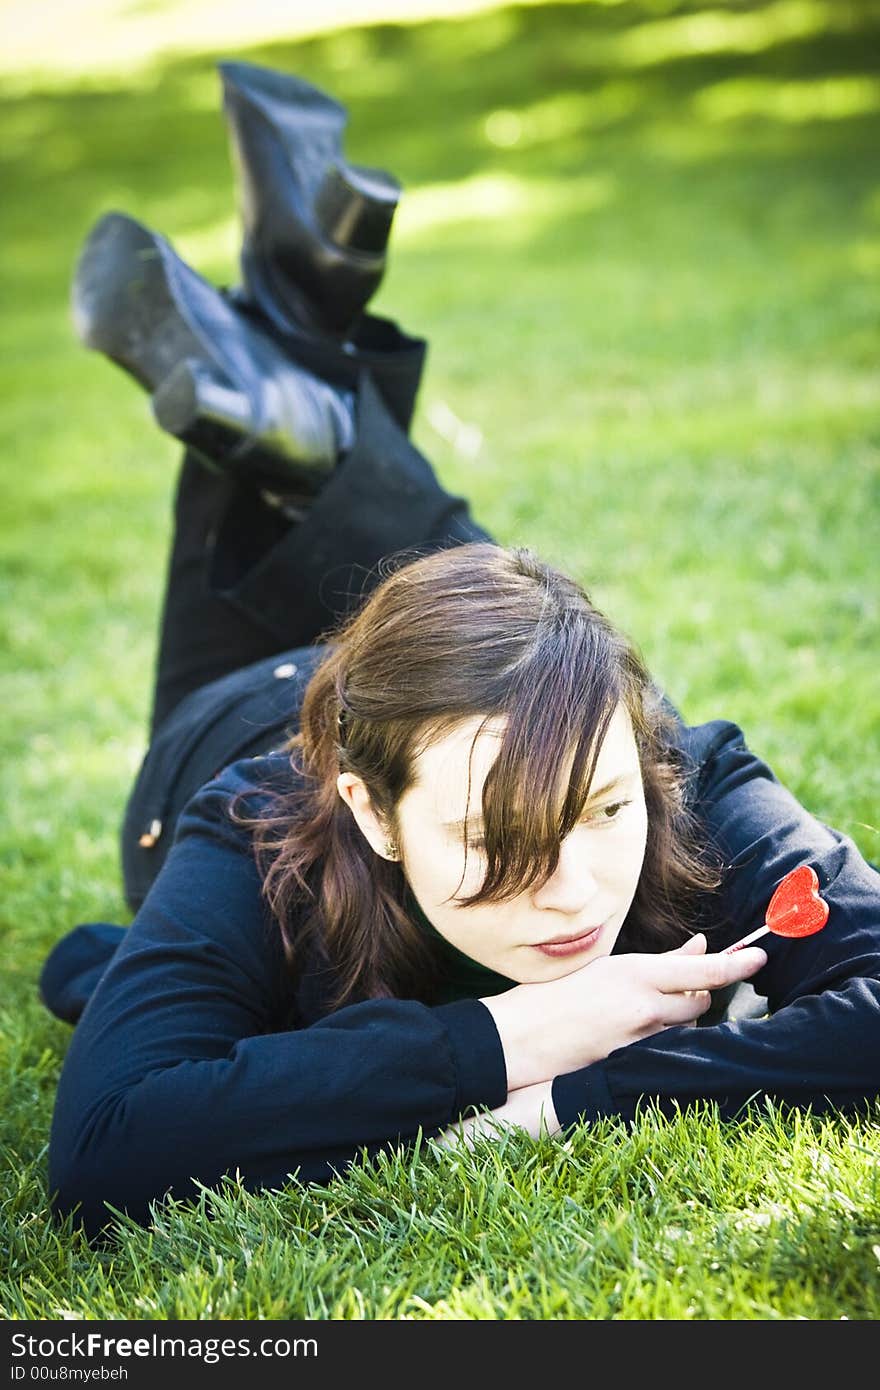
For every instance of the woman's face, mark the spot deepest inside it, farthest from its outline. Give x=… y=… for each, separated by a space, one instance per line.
x=588 y=895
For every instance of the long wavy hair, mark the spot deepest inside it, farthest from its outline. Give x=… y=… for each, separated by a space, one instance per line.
x=472 y=630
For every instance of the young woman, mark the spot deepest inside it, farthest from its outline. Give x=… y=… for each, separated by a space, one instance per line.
x=418 y=846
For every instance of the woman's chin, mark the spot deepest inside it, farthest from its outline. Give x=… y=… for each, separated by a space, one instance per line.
x=547 y=968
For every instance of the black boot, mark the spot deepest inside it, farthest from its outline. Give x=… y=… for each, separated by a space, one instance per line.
x=315 y=226
x=218 y=382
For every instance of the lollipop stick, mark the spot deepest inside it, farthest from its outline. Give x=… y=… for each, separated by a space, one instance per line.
x=746 y=941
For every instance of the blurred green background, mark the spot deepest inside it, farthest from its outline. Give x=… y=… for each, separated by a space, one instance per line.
x=643 y=239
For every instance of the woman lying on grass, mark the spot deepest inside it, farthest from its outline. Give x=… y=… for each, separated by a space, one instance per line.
x=418 y=846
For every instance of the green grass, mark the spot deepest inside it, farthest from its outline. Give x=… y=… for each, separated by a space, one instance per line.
x=680 y=1219
x=643 y=240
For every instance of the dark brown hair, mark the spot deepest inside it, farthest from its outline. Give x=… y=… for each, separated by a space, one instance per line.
x=472 y=630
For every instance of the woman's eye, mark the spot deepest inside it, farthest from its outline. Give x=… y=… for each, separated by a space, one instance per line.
x=609 y=812
x=599 y=817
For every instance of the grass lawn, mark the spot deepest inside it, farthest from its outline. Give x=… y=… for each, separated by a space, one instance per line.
x=644 y=241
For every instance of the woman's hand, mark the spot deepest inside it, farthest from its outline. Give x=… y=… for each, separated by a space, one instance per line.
x=547 y=1029
x=530 y=1108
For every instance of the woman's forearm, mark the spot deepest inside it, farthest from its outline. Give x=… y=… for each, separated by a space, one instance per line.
x=550 y=1029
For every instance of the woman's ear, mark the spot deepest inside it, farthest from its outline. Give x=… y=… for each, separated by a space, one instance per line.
x=355 y=795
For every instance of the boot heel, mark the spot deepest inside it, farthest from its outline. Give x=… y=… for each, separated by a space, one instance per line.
x=354 y=208
x=203 y=411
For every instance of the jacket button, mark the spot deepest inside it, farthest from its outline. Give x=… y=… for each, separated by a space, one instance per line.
x=151 y=835
x=285 y=671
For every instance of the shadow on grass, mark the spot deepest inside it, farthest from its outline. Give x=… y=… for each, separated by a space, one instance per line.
x=643 y=101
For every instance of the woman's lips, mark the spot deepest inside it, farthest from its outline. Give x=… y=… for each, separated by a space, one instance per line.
x=570 y=948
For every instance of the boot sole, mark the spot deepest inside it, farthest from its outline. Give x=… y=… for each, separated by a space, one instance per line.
x=123 y=305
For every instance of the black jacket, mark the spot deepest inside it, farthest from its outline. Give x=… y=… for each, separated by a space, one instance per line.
x=196 y=1056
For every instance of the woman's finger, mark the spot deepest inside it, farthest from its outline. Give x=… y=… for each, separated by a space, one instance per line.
x=685 y=1008
x=694 y=946
x=675 y=974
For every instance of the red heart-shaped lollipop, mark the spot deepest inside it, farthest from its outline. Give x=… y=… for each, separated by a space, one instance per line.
x=795 y=909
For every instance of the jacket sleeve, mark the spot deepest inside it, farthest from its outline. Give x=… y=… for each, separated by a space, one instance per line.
x=177 y=1072
x=820 y=1043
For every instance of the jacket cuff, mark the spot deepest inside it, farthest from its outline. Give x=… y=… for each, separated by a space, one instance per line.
x=480 y=1068
x=582 y=1095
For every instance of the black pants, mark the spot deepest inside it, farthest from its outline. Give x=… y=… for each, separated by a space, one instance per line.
x=249 y=592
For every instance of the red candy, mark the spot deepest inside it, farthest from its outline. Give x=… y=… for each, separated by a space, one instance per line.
x=796 y=908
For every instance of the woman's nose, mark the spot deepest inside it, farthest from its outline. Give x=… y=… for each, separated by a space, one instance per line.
x=573 y=883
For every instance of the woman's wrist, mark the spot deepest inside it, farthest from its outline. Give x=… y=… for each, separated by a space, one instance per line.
x=507 y=1014
x=530 y=1108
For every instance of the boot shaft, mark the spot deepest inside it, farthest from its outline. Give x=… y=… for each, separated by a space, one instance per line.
x=316 y=227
